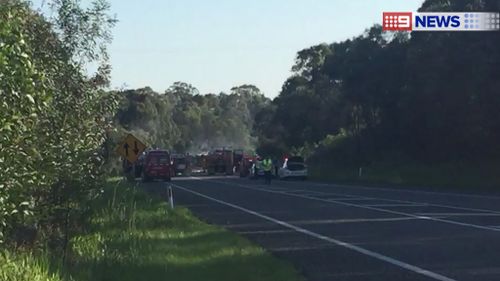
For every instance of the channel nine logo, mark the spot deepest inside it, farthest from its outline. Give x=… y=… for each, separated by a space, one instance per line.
x=471 y=21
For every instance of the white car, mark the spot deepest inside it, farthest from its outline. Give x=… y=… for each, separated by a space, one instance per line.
x=294 y=167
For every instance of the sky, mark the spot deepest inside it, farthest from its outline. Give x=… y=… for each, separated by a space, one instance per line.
x=216 y=45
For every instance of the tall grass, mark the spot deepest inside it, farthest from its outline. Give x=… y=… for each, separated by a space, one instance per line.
x=26 y=266
x=137 y=237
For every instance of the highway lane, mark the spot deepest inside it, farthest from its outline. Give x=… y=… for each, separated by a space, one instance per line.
x=474 y=210
x=465 y=200
x=333 y=232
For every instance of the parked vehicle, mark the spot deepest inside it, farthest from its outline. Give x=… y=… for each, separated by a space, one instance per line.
x=220 y=162
x=238 y=155
x=293 y=167
x=246 y=165
x=199 y=164
x=181 y=165
x=156 y=165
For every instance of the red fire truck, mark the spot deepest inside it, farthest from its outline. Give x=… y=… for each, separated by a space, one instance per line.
x=220 y=161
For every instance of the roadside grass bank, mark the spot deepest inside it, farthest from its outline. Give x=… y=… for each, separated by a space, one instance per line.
x=448 y=176
x=136 y=237
x=338 y=158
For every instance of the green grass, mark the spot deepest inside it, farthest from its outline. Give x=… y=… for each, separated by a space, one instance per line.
x=463 y=176
x=24 y=266
x=136 y=237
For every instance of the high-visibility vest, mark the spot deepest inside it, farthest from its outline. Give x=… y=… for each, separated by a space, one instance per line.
x=267 y=165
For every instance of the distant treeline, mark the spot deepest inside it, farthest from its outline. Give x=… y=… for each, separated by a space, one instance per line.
x=183 y=120
x=425 y=96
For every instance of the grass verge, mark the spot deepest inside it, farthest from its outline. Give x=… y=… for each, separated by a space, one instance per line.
x=449 y=176
x=136 y=237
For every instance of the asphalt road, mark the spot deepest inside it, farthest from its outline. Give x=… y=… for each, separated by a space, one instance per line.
x=336 y=232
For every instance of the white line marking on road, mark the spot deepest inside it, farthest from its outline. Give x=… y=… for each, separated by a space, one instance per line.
x=291 y=190
x=409 y=202
x=358 y=249
x=403 y=190
x=294 y=249
x=311 y=222
x=402 y=201
x=461 y=214
x=265 y=232
x=280 y=188
x=355 y=199
x=364 y=207
x=396 y=205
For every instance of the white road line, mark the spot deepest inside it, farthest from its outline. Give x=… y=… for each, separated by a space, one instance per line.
x=291 y=190
x=358 y=249
x=397 y=205
x=409 y=202
x=312 y=192
x=365 y=207
x=280 y=187
x=265 y=232
x=292 y=249
x=402 y=201
x=404 y=190
x=355 y=199
x=460 y=214
x=313 y=222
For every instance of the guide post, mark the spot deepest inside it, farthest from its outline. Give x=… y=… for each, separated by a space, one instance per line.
x=170 y=195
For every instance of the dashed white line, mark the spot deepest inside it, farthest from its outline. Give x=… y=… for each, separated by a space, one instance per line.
x=364 y=207
x=460 y=214
x=397 y=205
x=341 y=221
x=355 y=199
x=265 y=232
x=358 y=249
x=406 y=201
x=406 y=190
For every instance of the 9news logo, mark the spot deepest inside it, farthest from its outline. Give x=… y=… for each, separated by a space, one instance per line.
x=408 y=21
x=397 y=21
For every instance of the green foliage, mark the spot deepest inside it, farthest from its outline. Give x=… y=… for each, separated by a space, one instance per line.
x=21 y=267
x=54 y=118
x=185 y=121
x=453 y=175
x=385 y=92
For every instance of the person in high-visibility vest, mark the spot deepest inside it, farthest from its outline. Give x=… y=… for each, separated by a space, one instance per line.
x=267 y=166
